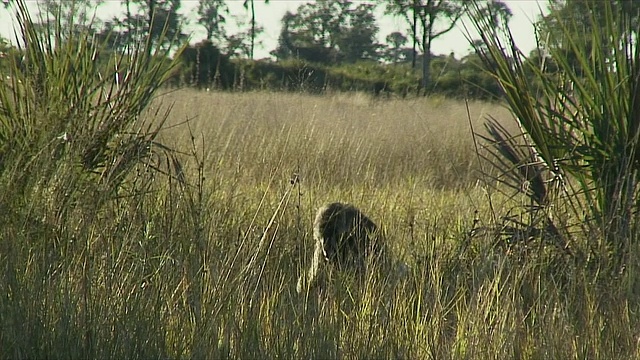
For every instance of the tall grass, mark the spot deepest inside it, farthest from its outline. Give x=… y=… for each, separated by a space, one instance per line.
x=140 y=251
x=581 y=123
x=76 y=162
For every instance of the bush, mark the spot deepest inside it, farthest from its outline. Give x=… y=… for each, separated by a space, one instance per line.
x=76 y=164
x=204 y=66
x=576 y=156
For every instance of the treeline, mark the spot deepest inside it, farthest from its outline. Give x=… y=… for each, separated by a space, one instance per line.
x=204 y=66
x=324 y=45
x=333 y=46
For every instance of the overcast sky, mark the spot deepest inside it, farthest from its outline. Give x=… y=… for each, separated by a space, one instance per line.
x=269 y=16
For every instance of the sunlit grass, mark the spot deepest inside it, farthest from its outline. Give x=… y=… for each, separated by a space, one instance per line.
x=210 y=270
x=193 y=247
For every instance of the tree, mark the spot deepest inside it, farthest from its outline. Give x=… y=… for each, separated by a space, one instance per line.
x=249 y=4
x=211 y=15
x=320 y=22
x=581 y=16
x=329 y=32
x=205 y=66
x=497 y=13
x=241 y=43
x=586 y=13
x=357 y=38
x=111 y=36
x=66 y=12
x=158 y=18
x=423 y=16
x=430 y=19
x=301 y=45
x=395 y=50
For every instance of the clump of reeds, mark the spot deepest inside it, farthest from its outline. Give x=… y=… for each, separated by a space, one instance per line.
x=575 y=156
x=77 y=162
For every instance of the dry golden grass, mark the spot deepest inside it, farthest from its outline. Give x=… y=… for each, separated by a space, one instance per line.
x=407 y=163
x=120 y=260
x=208 y=269
x=333 y=142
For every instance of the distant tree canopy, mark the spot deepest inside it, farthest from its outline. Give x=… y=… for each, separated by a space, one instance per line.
x=329 y=32
x=423 y=17
x=66 y=12
x=161 y=19
x=396 y=51
x=324 y=44
x=212 y=15
x=578 y=14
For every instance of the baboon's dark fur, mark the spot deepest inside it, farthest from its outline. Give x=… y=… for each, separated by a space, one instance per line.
x=344 y=238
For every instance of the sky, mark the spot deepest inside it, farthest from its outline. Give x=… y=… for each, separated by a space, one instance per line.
x=525 y=12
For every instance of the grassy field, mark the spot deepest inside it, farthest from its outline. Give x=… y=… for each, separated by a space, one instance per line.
x=411 y=165
x=203 y=264
x=137 y=225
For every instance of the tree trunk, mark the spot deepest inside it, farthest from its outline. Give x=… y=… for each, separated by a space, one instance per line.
x=253 y=28
x=426 y=72
x=426 y=62
x=414 y=30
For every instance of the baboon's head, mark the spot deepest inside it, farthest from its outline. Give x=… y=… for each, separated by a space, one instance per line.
x=329 y=250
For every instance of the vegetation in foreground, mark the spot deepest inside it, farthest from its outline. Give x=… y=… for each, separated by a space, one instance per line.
x=130 y=231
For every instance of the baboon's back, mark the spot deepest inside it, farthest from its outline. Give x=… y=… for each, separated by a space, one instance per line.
x=344 y=231
x=344 y=237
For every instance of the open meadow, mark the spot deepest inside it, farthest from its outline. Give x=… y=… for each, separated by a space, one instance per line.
x=203 y=263
x=139 y=222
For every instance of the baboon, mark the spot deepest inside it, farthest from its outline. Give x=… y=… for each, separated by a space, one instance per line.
x=345 y=239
